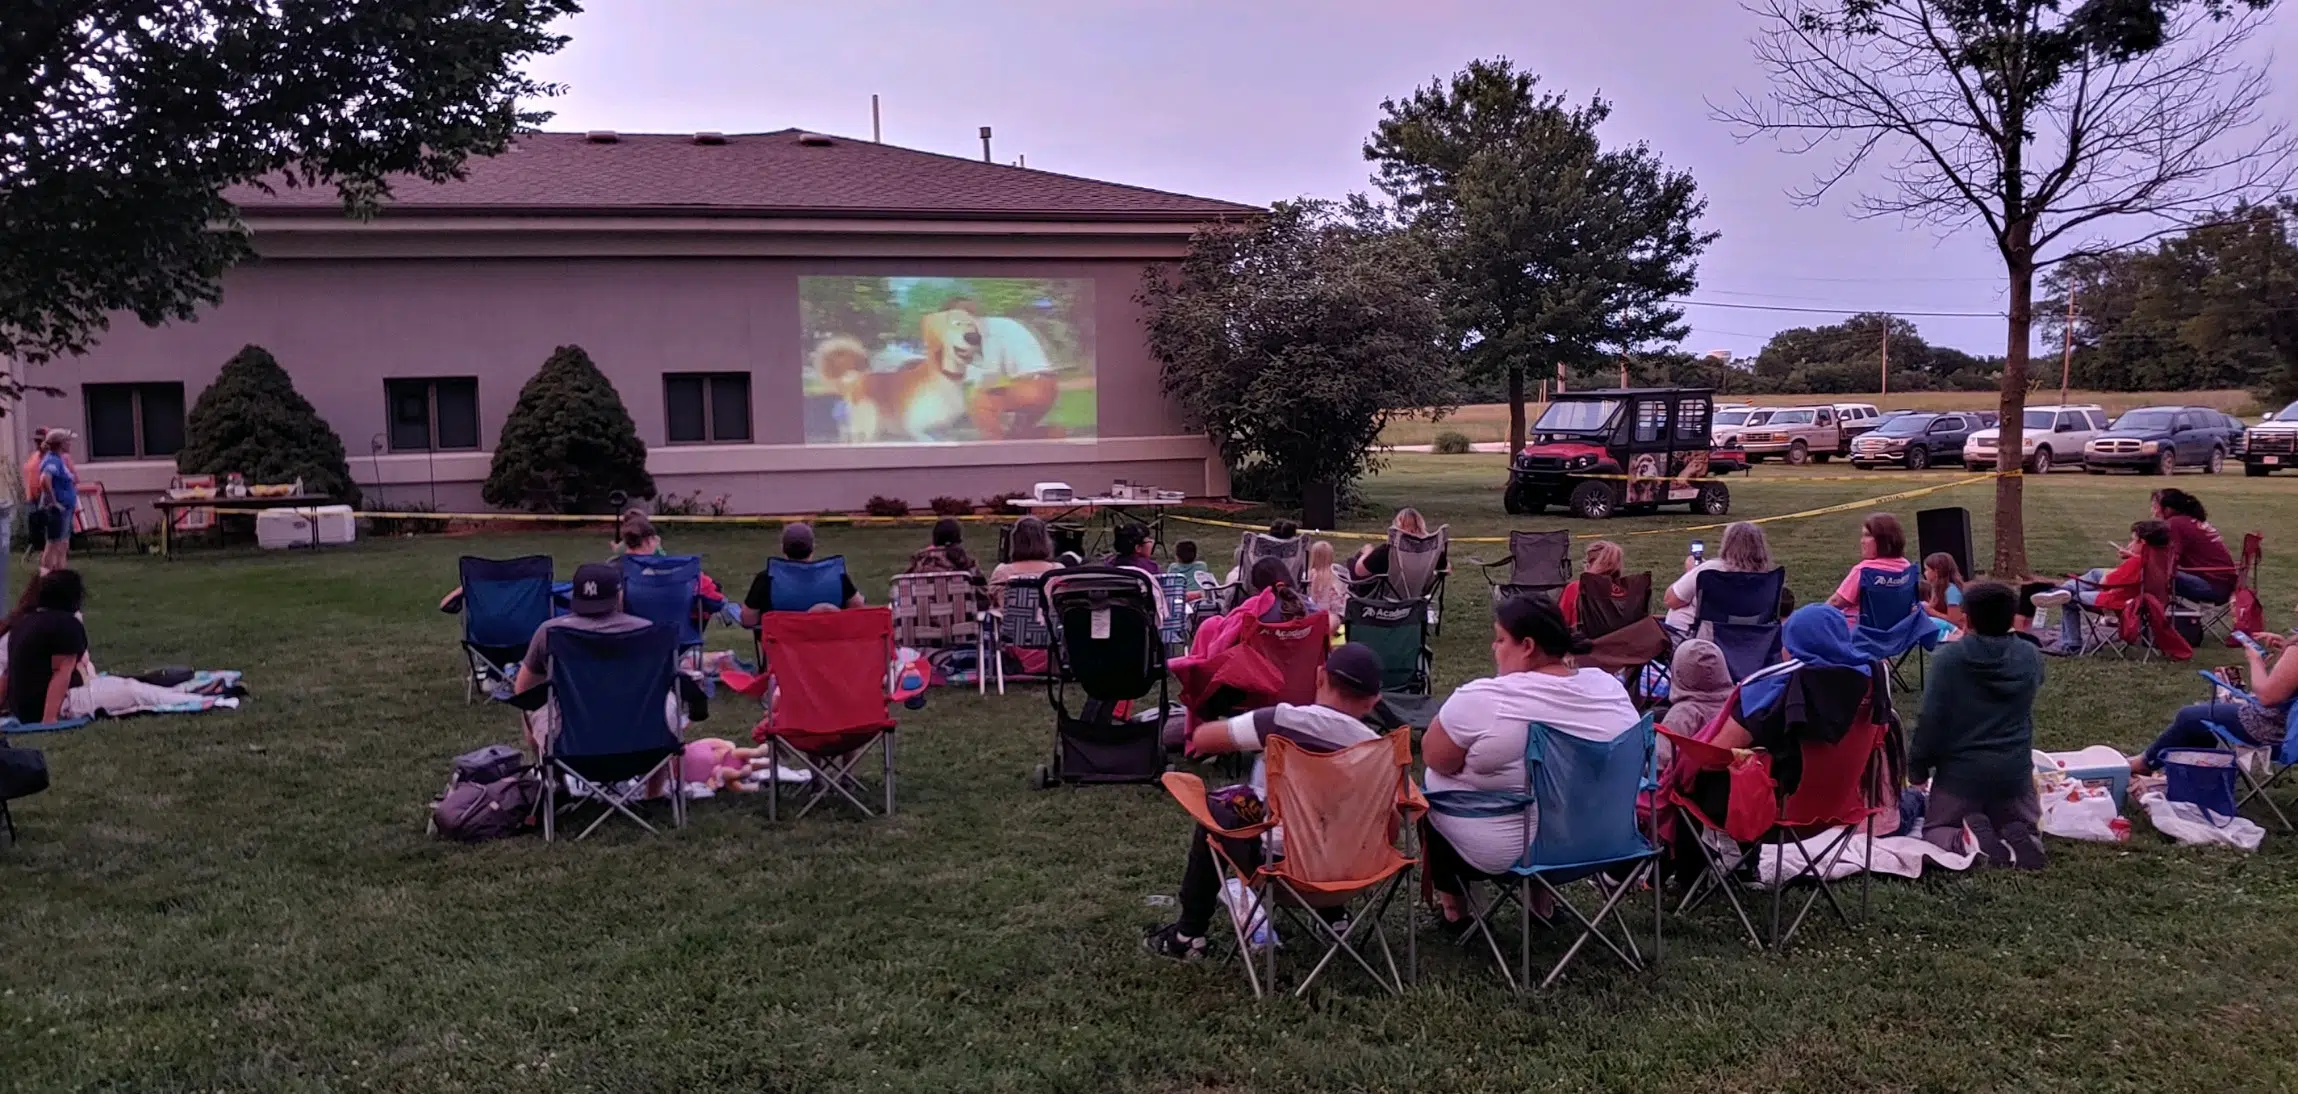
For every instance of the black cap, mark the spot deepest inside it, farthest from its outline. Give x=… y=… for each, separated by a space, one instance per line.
x=1354 y=666
x=597 y=589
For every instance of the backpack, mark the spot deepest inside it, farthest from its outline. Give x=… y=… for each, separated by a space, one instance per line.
x=472 y=812
x=487 y=765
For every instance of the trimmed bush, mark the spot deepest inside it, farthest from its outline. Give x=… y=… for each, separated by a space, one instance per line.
x=951 y=507
x=879 y=506
x=1001 y=503
x=569 y=445
x=252 y=420
x=1449 y=443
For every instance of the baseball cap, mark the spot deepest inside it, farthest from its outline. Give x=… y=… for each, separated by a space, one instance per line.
x=1354 y=666
x=597 y=589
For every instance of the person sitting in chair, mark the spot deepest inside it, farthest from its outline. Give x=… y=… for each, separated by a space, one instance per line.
x=945 y=553
x=1135 y=549
x=595 y=605
x=2099 y=588
x=1976 y=740
x=1348 y=688
x=2273 y=683
x=2202 y=570
x=797 y=546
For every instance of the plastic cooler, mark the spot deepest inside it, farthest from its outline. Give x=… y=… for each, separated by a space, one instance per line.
x=2096 y=764
x=276 y=529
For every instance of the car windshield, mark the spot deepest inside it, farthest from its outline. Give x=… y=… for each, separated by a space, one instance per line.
x=1790 y=417
x=1732 y=417
x=2041 y=420
x=1578 y=416
x=2287 y=414
x=1904 y=425
x=2147 y=419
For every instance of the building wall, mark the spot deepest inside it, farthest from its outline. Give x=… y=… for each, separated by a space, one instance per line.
x=343 y=325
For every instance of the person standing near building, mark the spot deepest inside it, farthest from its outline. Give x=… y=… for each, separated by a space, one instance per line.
x=59 y=492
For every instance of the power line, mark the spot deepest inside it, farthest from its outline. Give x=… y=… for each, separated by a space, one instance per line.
x=1894 y=312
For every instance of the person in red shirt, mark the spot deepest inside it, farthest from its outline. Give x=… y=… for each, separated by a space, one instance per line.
x=2202 y=568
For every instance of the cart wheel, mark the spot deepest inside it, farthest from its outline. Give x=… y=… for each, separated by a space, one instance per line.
x=1594 y=500
x=1042 y=778
x=1714 y=499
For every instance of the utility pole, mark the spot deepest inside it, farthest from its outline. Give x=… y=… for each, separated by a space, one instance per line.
x=2067 y=362
x=1886 y=355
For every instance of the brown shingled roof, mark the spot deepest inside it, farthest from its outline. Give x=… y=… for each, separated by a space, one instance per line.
x=758 y=174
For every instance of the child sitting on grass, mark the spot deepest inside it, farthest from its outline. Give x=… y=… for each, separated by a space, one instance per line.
x=1977 y=736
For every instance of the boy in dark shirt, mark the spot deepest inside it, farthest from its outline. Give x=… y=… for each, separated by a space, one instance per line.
x=797 y=546
x=1978 y=733
x=45 y=646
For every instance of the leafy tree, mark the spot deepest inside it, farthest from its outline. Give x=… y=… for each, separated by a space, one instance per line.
x=124 y=122
x=253 y=421
x=2045 y=121
x=569 y=445
x=1292 y=340
x=1553 y=249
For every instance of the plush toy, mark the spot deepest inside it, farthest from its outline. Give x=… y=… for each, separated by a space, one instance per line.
x=720 y=764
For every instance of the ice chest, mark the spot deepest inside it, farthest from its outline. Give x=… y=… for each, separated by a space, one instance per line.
x=278 y=528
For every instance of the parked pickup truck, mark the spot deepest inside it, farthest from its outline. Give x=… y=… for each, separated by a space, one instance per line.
x=1797 y=434
x=2272 y=445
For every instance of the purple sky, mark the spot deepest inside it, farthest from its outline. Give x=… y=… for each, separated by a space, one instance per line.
x=1270 y=99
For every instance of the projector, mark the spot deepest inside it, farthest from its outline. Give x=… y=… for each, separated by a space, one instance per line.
x=1052 y=491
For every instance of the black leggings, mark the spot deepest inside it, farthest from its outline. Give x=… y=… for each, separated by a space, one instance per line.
x=1447 y=872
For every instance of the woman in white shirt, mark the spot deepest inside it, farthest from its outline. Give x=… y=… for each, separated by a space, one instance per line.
x=1477 y=739
x=1744 y=550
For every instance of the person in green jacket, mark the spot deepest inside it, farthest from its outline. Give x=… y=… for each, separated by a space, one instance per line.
x=1977 y=734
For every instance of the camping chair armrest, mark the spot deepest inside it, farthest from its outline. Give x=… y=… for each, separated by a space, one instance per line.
x=2217 y=685
x=1189 y=791
x=532 y=699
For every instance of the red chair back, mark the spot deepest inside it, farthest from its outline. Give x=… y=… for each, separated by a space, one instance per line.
x=1833 y=787
x=832 y=669
x=1297 y=648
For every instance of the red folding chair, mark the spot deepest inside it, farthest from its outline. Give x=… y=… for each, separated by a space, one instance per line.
x=830 y=701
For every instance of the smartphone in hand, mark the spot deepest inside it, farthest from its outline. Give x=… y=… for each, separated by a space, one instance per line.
x=2249 y=643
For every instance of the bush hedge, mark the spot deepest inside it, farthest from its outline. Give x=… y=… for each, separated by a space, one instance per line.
x=569 y=445
x=253 y=421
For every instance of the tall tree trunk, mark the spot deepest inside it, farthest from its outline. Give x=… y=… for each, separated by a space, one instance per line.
x=1515 y=409
x=2010 y=490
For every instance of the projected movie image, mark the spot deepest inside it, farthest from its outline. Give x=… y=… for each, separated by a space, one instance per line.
x=906 y=360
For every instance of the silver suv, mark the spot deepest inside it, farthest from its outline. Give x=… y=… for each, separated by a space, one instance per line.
x=2053 y=435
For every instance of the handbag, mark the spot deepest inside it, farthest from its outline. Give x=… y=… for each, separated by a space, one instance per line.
x=23 y=772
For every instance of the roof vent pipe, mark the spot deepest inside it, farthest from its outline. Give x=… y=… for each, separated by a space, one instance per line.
x=709 y=136
x=601 y=136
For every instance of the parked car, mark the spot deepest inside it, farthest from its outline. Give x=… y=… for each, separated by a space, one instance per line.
x=2053 y=435
x=2158 y=440
x=1855 y=419
x=1918 y=439
x=1797 y=434
x=1731 y=421
x=2272 y=445
x=1624 y=449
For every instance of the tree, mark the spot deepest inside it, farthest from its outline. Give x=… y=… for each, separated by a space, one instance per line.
x=1293 y=339
x=252 y=420
x=2039 y=119
x=569 y=445
x=123 y=123
x=1553 y=249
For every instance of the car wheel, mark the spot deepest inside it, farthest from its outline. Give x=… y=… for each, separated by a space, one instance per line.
x=1918 y=458
x=2217 y=462
x=2041 y=464
x=1799 y=453
x=1714 y=499
x=1594 y=500
x=2165 y=463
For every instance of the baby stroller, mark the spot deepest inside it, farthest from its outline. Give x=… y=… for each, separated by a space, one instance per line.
x=1106 y=643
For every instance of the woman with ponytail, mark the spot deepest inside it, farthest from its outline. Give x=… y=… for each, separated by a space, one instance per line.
x=1476 y=741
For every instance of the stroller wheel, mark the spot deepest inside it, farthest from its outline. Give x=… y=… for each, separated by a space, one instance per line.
x=1042 y=778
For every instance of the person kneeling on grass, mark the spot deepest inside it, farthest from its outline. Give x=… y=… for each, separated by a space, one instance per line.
x=1348 y=688
x=1977 y=736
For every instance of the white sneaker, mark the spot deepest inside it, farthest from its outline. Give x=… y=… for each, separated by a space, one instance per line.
x=2053 y=599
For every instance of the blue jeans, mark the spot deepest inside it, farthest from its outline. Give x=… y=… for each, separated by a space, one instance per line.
x=2188 y=731
x=2086 y=590
x=7 y=542
x=2196 y=588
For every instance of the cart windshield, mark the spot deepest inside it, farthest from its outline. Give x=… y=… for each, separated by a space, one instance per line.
x=1584 y=417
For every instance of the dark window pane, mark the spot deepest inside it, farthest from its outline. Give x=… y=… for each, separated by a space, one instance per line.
x=163 y=419
x=682 y=408
x=458 y=407
x=410 y=414
x=111 y=421
x=730 y=407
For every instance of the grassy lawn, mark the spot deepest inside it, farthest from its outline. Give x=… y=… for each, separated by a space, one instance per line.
x=1489 y=421
x=246 y=900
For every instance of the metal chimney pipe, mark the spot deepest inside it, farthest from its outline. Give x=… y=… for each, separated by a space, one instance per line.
x=985 y=144
x=877 y=134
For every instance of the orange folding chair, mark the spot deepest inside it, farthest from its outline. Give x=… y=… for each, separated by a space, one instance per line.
x=94 y=516
x=1339 y=816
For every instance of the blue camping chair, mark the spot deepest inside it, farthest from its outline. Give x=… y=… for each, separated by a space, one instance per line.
x=804 y=586
x=1740 y=613
x=2283 y=758
x=663 y=589
x=504 y=601
x=1582 y=813
x=1892 y=623
x=614 y=695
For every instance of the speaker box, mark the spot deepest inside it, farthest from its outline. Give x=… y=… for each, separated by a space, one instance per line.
x=1319 y=505
x=1946 y=530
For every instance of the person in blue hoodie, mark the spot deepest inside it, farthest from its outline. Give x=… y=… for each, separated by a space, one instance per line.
x=1977 y=736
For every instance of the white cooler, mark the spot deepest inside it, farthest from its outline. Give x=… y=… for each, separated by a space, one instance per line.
x=278 y=528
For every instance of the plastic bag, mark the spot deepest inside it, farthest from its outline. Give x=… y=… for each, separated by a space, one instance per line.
x=2191 y=825
x=1260 y=934
x=2074 y=811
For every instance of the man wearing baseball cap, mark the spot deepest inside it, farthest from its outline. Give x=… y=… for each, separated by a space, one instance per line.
x=1348 y=688
x=595 y=597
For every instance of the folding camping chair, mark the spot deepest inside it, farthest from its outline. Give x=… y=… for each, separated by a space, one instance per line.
x=2219 y=619
x=833 y=689
x=196 y=518
x=1106 y=641
x=1255 y=546
x=1398 y=631
x=2280 y=759
x=2129 y=628
x=1271 y=663
x=665 y=590
x=1830 y=795
x=615 y=697
x=804 y=586
x=1616 y=617
x=1739 y=612
x=1418 y=567
x=937 y=611
x=1538 y=562
x=1177 y=623
x=1583 y=823
x=1893 y=627
x=504 y=601
x=94 y=516
x=1340 y=816
x=1019 y=624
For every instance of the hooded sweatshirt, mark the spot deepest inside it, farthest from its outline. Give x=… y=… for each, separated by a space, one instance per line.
x=1977 y=735
x=1698 y=684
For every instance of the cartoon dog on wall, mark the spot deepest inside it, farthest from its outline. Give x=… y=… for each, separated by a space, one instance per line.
x=916 y=401
x=1012 y=378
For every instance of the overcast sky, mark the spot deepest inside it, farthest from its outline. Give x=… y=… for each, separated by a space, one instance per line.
x=1256 y=100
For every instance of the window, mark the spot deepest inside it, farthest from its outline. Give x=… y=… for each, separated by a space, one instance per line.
x=1651 y=420
x=435 y=414
x=134 y=421
x=1691 y=421
x=2098 y=419
x=1790 y=417
x=2072 y=421
x=706 y=407
x=1946 y=424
